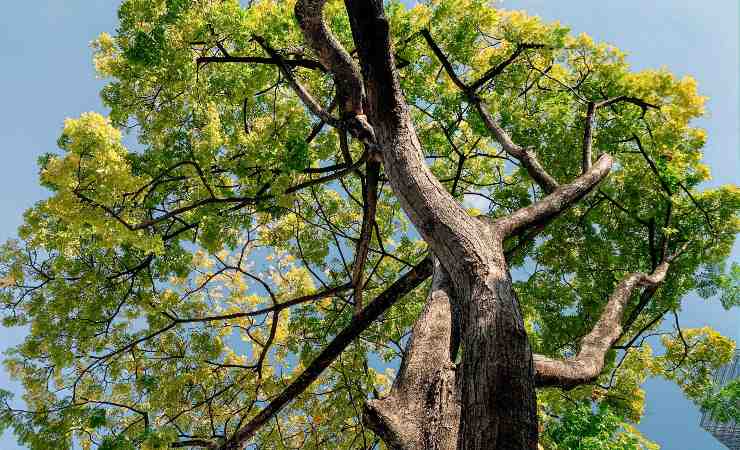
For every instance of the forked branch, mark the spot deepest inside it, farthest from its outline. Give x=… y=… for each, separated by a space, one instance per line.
x=525 y=156
x=587 y=365
x=591 y=115
x=350 y=93
x=556 y=203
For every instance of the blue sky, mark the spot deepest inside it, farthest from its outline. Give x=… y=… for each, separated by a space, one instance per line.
x=47 y=75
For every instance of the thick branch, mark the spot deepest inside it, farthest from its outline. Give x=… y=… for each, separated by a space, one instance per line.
x=422 y=410
x=587 y=365
x=451 y=233
x=309 y=14
x=557 y=202
x=359 y=323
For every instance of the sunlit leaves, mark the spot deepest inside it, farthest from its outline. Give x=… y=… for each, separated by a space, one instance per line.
x=692 y=357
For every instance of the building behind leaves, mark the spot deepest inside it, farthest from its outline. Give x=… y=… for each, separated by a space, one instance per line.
x=727 y=433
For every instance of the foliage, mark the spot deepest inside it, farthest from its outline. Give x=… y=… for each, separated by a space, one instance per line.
x=583 y=428
x=151 y=280
x=724 y=405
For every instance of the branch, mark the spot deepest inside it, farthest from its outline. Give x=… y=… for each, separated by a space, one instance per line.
x=588 y=137
x=439 y=218
x=444 y=61
x=590 y=115
x=587 y=365
x=421 y=402
x=310 y=16
x=333 y=176
x=203 y=443
x=359 y=323
x=525 y=156
x=303 y=94
x=242 y=201
x=370 y=194
x=297 y=62
x=652 y=165
x=627 y=99
x=331 y=292
x=493 y=72
x=555 y=203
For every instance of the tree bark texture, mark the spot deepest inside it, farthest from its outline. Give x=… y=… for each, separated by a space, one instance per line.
x=423 y=408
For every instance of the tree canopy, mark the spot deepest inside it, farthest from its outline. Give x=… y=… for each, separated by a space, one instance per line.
x=223 y=258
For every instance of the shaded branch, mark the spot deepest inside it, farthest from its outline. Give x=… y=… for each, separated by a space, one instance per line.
x=370 y=194
x=297 y=62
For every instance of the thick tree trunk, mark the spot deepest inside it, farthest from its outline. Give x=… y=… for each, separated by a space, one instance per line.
x=497 y=379
x=434 y=406
x=497 y=375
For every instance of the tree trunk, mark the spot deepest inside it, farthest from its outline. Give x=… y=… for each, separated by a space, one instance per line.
x=497 y=374
x=434 y=405
x=489 y=401
x=498 y=408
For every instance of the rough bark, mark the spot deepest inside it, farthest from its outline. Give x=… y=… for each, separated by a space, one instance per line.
x=497 y=379
x=309 y=14
x=422 y=411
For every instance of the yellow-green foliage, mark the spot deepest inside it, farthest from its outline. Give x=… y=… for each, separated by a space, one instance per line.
x=204 y=219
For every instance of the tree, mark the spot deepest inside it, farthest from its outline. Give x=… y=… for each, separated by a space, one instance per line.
x=242 y=276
